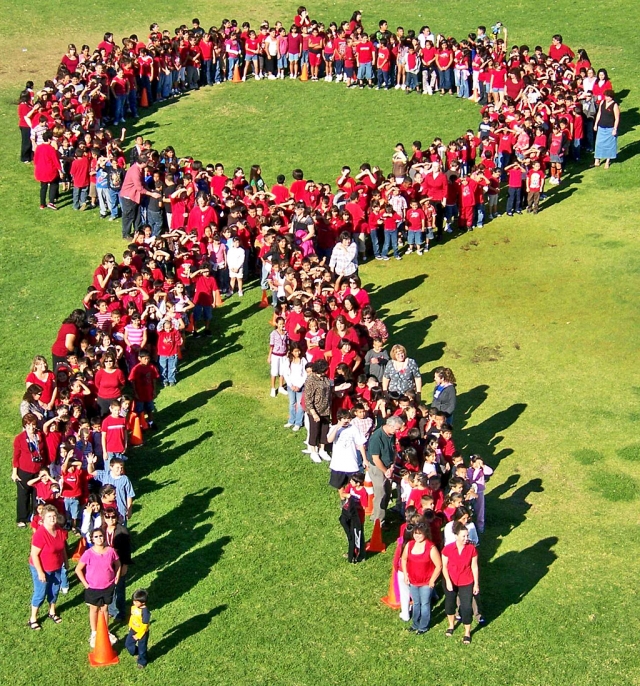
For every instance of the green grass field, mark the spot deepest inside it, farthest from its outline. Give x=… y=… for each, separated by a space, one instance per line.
x=236 y=533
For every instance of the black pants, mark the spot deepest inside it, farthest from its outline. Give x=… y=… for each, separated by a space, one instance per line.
x=137 y=646
x=318 y=431
x=26 y=151
x=465 y=594
x=270 y=64
x=355 y=535
x=53 y=191
x=130 y=216
x=26 y=502
x=439 y=218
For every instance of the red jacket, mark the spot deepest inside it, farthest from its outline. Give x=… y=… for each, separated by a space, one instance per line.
x=435 y=188
x=46 y=163
x=23 y=457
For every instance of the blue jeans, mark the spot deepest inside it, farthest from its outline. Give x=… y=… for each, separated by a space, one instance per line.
x=155 y=221
x=207 y=67
x=164 y=86
x=72 y=506
x=479 y=215
x=390 y=240
x=119 y=111
x=296 y=413
x=114 y=197
x=168 y=366
x=79 y=197
x=131 y=645
x=462 y=81
x=513 y=200
x=231 y=65
x=421 y=596
x=118 y=606
x=49 y=589
x=132 y=101
x=411 y=81
x=375 y=242
x=384 y=78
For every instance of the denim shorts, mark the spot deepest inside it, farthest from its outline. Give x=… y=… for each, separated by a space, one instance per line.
x=365 y=71
x=293 y=57
x=282 y=63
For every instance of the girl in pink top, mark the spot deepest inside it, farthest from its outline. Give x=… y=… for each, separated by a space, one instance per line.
x=99 y=572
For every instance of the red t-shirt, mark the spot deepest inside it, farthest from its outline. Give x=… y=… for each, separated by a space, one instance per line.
x=142 y=377
x=59 y=349
x=115 y=430
x=459 y=564
x=73 y=483
x=420 y=567
x=51 y=548
x=169 y=342
x=364 y=52
x=109 y=385
x=47 y=386
x=205 y=287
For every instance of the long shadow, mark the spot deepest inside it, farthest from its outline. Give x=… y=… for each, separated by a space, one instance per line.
x=508 y=579
x=178 y=578
x=203 y=360
x=506 y=510
x=179 y=633
x=381 y=295
x=484 y=438
x=191 y=511
x=190 y=404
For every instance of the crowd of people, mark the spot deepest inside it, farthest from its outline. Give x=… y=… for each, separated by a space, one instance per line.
x=195 y=235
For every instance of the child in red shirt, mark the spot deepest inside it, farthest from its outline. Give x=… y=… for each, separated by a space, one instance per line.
x=169 y=342
x=143 y=376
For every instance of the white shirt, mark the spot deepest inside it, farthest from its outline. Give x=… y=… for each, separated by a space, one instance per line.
x=346 y=444
x=294 y=374
x=235 y=259
x=449 y=536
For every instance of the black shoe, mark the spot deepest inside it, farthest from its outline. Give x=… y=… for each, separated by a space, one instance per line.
x=412 y=629
x=206 y=332
x=195 y=334
x=422 y=631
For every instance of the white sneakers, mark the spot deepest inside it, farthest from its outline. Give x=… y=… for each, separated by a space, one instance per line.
x=325 y=455
x=92 y=639
x=273 y=392
x=296 y=428
x=282 y=391
x=315 y=458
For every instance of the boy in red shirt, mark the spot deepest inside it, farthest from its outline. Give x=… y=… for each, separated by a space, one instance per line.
x=169 y=342
x=514 y=198
x=80 y=173
x=114 y=433
x=467 y=202
x=142 y=377
x=206 y=288
x=73 y=481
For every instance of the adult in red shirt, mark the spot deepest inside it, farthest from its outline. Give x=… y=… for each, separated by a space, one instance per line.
x=421 y=565
x=47 y=170
x=131 y=194
x=47 y=559
x=24 y=107
x=30 y=455
x=434 y=187
x=462 y=581
x=46 y=379
x=558 y=50
x=109 y=382
x=201 y=216
x=68 y=338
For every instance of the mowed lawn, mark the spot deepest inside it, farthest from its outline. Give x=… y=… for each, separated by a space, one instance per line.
x=236 y=533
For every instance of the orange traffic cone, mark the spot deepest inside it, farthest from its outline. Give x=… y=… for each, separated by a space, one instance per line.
x=82 y=546
x=218 y=299
x=375 y=544
x=103 y=654
x=144 y=425
x=144 y=100
x=368 y=487
x=136 y=433
x=236 y=75
x=391 y=599
x=265 y=300
x=304 y=74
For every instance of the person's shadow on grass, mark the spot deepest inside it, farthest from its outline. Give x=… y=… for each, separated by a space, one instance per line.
x=508 y=579
x=179 y=633
x=178 y=578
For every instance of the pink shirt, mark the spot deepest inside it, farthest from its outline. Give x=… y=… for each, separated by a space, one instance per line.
x=100 y=570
